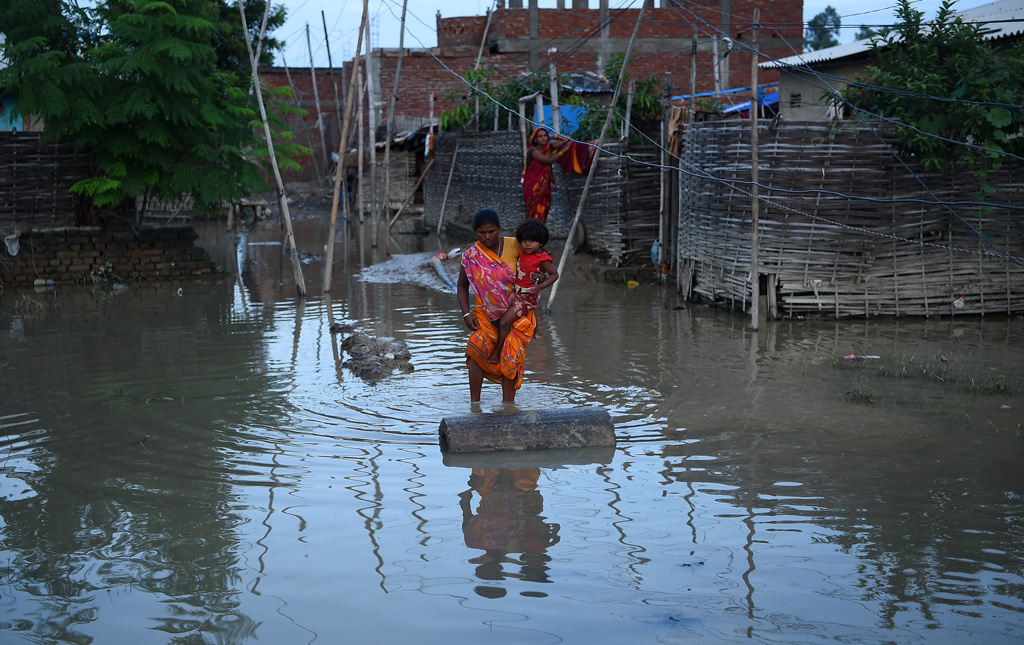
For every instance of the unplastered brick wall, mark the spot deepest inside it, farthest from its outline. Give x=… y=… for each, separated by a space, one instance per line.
x=91 y=254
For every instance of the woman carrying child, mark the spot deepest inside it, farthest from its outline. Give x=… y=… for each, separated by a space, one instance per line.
x=532 y=235
x=488 y=270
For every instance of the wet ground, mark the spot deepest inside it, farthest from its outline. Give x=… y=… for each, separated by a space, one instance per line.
x=191 y=463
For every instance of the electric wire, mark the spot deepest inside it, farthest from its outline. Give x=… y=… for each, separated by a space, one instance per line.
x=534 y=123
x=895 y=155
x=735 y=183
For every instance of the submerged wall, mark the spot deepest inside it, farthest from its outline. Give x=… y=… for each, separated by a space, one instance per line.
x=85 y=255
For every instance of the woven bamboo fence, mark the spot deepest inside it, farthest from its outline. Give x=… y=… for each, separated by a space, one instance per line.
x=36 y=180
x=842 y=247
x=620 y=216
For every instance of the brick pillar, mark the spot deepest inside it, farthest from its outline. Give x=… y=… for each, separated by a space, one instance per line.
x=604 y=52
x=580 y=4
x=534 y=34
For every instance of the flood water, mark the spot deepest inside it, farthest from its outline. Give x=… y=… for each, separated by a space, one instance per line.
x=190 y=463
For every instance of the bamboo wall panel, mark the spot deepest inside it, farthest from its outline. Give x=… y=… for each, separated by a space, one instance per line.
x=620 y=216
x=36 y=180
x=832 y=255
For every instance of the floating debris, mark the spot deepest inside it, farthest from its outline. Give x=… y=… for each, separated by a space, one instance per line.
x=374 y=359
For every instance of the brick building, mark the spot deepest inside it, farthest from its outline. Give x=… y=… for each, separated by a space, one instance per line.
x=581 y=37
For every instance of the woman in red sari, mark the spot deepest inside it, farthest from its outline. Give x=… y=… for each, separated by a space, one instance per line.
x=488 y=269
x=538 y=177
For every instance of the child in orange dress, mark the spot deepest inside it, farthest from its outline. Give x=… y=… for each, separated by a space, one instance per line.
x=532 y=235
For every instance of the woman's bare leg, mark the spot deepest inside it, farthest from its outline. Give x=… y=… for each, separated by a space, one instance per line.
x=508 y=389
x=476 y=381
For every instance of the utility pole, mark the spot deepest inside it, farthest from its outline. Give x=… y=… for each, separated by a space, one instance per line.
x=328 y=270
x=597 y=153
x=755 y=276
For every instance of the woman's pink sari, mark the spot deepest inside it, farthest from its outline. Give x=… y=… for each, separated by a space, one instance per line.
x=491 y=280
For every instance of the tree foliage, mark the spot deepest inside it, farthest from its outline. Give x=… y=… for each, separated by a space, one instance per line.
x=142 y=86
x=822 y=30
x=950 y=90
x=645 y=112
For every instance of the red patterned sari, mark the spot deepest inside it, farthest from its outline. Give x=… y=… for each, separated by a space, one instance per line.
x=538 y=177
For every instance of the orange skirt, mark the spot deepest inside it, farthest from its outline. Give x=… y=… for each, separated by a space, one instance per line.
x=513 y=354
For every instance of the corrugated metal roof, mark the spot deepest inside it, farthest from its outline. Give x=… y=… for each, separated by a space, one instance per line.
x=999 y=18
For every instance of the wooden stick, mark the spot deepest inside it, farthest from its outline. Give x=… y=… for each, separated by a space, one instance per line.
x=483 y=40
x=755 y=203
x=629 y=109
x=556 y=114
x=567 y=251
x=328 y=269
x=361 y=142
x=389 y=127
x=316 y=100
x=300 y=282
x=305 y=129
x=412 y=194
x=444 y=202
x=693 y=77
x=522 y=125
x=334 y=81
x=371 y=105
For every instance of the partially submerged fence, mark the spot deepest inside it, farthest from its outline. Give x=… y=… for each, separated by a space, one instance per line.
x=620 y=216
x=845 y=229
x=36 y=180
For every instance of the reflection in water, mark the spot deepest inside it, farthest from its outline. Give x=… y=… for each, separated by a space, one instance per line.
x=507 y=521
x=278 y=499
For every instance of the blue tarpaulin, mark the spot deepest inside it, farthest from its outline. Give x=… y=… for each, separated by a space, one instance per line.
x=765 y=100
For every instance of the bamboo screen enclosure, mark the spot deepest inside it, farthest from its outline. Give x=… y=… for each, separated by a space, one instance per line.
x=829 y=255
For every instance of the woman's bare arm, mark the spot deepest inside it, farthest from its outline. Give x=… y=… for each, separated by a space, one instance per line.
x=541 y=157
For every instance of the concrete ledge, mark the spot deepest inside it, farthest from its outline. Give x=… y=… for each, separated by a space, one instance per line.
x=528 y=430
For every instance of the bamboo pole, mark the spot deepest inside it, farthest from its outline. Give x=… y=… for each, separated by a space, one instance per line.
x=664 y=201
x=693 y=77
x=300 y=281
x=259 y=42
x=305 y=130
x=316 y=100
x=411 y=195
x=716 y=72
x=444 y=202
x=328 y=270
x=390 y=127
x=360 y=144
x=371 y=105
x=556 y=114
x=334 y=80
x=597 y=153
x=755 y=276
x=522 y=125
x=483 y=40
x=629 y=108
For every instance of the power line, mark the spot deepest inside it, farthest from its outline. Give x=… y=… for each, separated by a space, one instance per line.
x=734 y=183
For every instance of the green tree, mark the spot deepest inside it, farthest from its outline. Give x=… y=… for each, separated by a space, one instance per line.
x=646 y=110
x=644 y=114
x=956 y=99
x=866 y=32
x=137 y=84
x=822 y=30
